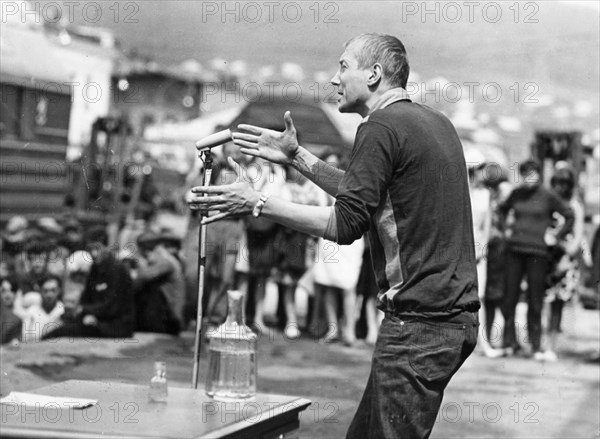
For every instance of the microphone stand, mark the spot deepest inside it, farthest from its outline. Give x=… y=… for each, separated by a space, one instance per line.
x=208 y=162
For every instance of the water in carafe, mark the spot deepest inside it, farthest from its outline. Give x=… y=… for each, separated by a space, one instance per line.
x=232 y=355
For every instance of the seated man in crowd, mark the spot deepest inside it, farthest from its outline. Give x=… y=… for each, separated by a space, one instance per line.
x=40 y=319
x=171 y=243
x=159 y=287
x=10 y=324
x=106 y=307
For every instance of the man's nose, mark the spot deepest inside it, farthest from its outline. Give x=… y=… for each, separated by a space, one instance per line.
x=336 y=79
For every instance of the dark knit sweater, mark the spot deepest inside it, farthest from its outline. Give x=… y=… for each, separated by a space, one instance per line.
x=533 y=208
x=406 y=183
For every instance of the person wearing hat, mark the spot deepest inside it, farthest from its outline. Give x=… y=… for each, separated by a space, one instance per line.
x=53 y=233
x=532 y=206
x=171 y=242
x=14 y=236
x=159 y=287
x=481 y=209
x=50 y=226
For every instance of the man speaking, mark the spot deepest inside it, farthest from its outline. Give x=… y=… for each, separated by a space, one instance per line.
x=406 y=184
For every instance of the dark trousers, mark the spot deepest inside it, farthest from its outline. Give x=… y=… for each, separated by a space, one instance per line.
x=412 y=364
x=535 y=268
x=555 y=318
x=491 y=305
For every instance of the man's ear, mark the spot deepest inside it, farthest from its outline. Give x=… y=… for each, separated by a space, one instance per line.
x=375 y=75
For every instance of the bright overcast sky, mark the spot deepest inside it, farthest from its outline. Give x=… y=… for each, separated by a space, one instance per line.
x=593 y=4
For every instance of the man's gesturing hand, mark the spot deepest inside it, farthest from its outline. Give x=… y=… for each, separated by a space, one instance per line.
x=274 y=146
x=234 y=199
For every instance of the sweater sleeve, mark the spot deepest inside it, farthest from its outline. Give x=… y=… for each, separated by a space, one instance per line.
x=365 y=181
x=153 y=272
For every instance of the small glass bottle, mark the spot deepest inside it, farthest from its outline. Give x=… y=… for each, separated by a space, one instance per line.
x=232 y=355
x=158 y=390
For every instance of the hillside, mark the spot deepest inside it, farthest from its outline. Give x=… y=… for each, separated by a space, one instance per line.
x=559 y=51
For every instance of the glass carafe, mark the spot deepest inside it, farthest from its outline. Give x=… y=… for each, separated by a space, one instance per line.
x=232 y=355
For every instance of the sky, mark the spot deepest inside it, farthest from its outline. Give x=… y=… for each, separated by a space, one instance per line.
x=544 y=47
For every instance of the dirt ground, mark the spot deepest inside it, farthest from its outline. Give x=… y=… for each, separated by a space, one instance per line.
x=487 y=398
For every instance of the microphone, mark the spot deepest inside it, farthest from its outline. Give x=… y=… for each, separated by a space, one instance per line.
x=213 y=140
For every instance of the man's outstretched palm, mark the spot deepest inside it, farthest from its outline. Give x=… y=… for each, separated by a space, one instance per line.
x=274 y=146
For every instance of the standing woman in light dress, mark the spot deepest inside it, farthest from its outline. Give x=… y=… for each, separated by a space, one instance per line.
x=336 y=271
x=565 y=275
x=481 y=209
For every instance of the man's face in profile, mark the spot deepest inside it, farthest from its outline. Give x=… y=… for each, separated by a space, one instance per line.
x=351 y=81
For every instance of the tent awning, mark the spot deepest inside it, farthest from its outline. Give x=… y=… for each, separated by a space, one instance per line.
x=320 y=126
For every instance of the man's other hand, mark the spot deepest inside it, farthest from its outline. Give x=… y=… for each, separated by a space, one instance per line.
x=231 y=200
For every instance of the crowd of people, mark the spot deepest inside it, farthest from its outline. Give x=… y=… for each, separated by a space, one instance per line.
x=529 y=247
x=60 y=280
x=436 y=244
x=250 y=253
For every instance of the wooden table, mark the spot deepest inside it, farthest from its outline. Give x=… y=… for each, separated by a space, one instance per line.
x=123 y=410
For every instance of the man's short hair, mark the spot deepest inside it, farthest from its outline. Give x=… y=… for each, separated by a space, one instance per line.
x=51 y=277
x=386 y=50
